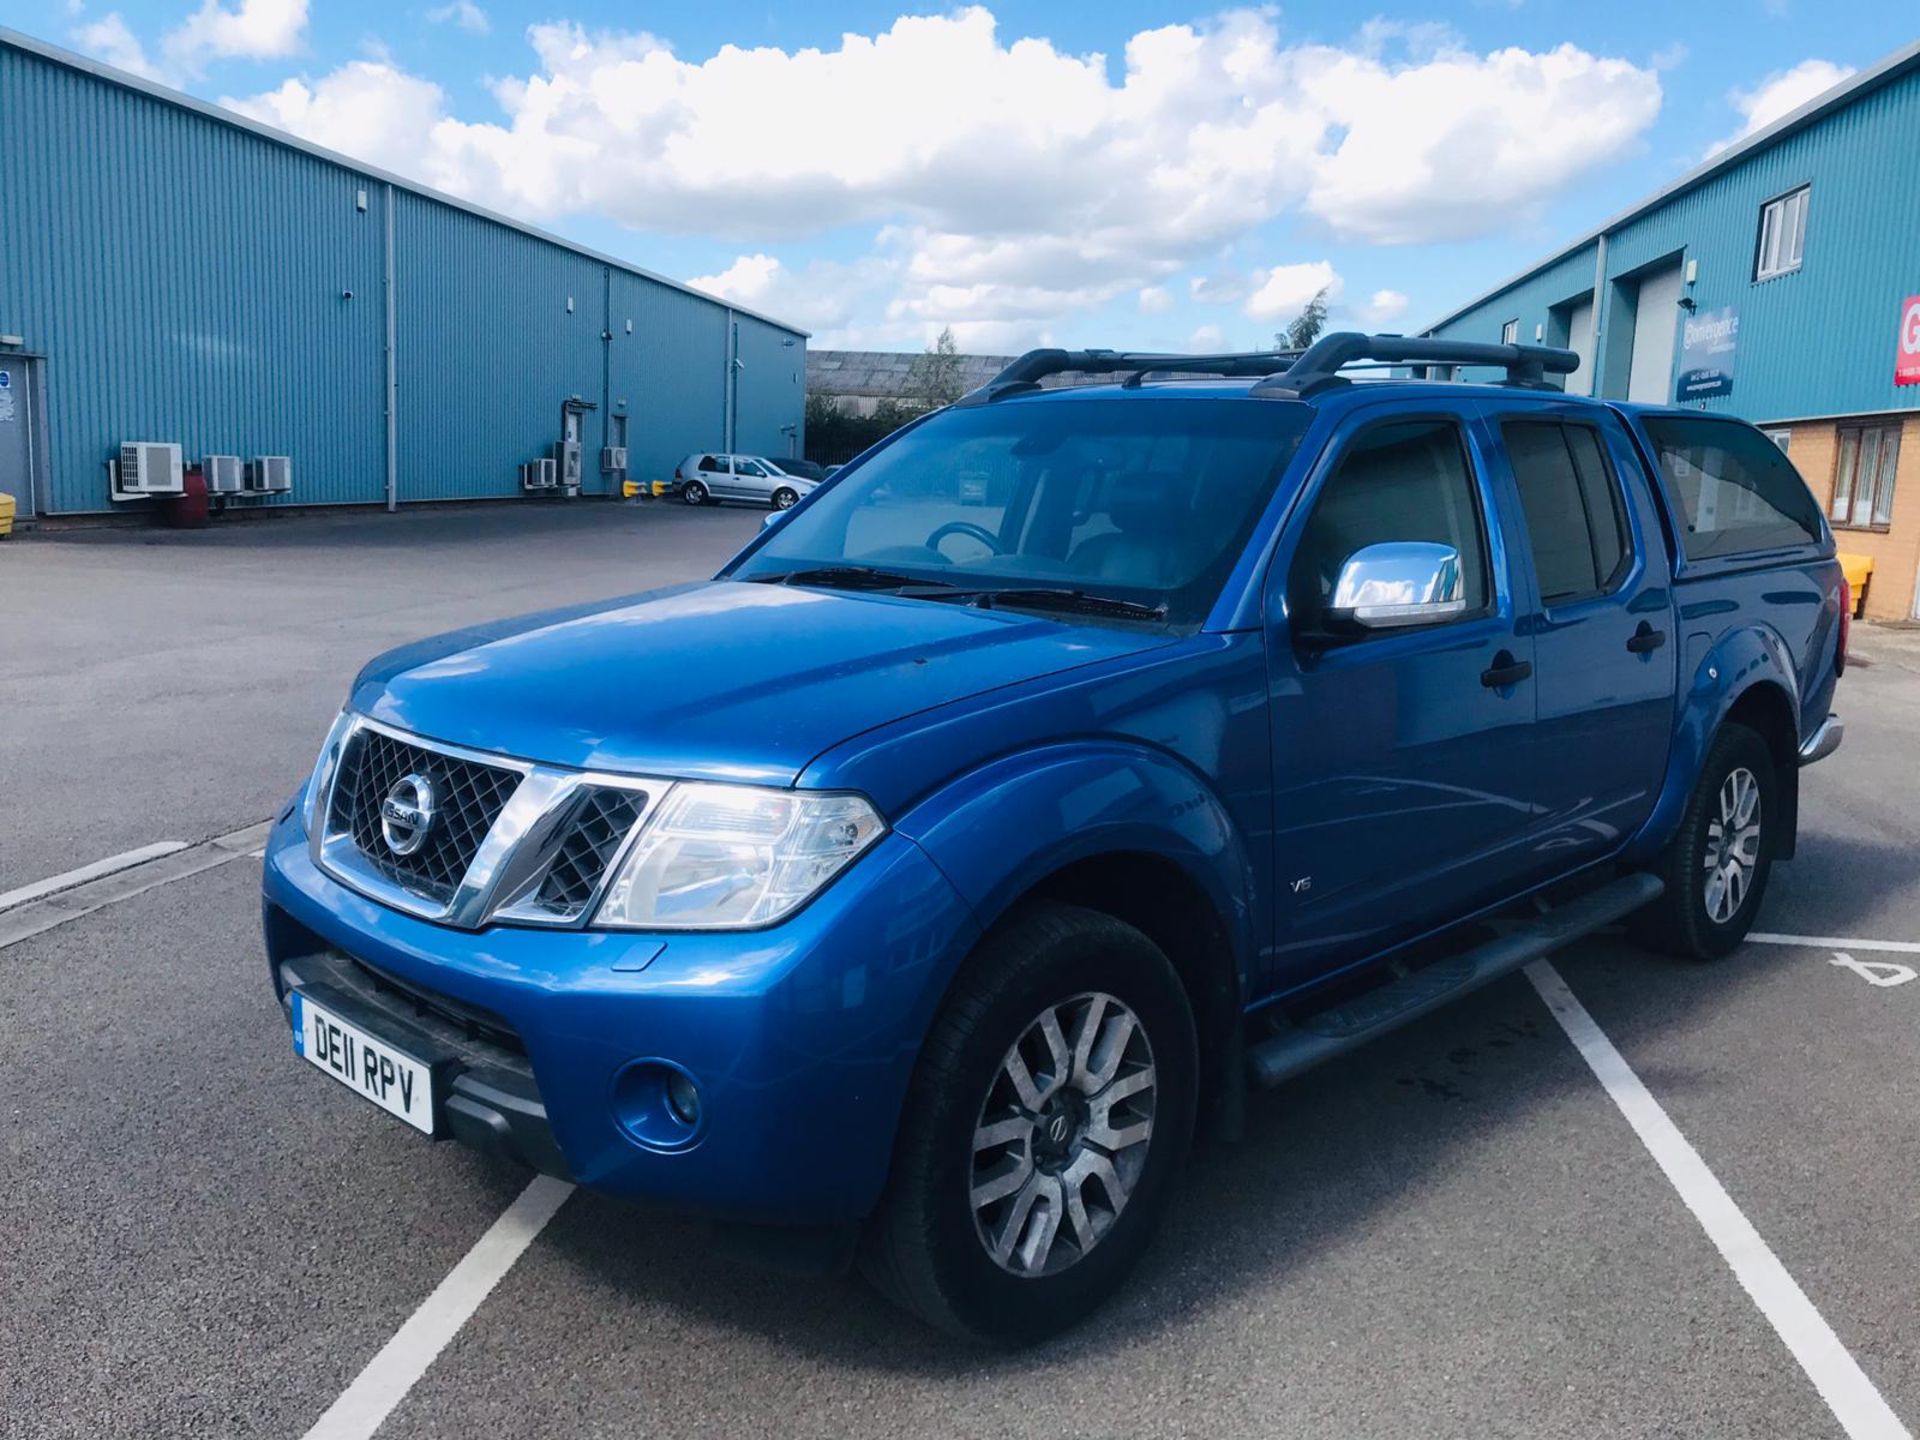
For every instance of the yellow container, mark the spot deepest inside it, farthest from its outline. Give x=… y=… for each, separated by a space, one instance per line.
x=629 y=489
x=6 y=516
x=659 y=488
x=1858 y=569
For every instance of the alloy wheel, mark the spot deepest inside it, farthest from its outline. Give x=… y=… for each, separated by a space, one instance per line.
x=1733 y=846
x=1062 y=1136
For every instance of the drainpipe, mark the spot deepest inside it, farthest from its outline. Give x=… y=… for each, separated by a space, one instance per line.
x=726 y=381
x=1593 y=319
x=393 y=379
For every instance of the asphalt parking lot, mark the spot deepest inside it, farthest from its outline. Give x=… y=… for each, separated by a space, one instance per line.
x=1455 y=1232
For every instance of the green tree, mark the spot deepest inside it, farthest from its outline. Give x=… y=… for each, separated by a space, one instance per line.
x=934 y=378
x=1307 y=325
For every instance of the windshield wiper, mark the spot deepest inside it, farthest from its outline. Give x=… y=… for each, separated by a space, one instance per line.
x=1054 y=597
x=850 y=577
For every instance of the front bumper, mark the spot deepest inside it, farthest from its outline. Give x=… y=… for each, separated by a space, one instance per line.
x=801 y=1037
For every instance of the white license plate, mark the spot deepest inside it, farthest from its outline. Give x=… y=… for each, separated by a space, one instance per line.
x=394 y=1081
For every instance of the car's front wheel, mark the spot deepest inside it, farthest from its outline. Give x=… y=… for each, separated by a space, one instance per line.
x=694 y=493
x=1053 y=1101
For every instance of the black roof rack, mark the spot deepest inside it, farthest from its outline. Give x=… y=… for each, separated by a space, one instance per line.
x=1291 y=374
x=1527 y=366
x=1030 y=369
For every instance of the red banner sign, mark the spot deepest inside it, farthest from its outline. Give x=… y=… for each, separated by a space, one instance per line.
x=1906 y=361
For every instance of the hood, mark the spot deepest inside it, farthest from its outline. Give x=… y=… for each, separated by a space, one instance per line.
x=722 y=680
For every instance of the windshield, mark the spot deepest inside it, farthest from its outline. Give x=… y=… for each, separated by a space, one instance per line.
x=1147 y=500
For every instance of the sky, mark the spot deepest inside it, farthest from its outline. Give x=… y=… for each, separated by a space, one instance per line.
x=1161 y=176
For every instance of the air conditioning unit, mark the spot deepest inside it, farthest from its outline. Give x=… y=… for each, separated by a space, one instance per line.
x=539 y=475
x=147 y=467
x=613 y=458
x=270 y=475
x=225 y=474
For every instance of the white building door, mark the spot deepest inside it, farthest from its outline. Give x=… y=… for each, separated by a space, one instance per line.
x=1655 y=316
x=1580 y=341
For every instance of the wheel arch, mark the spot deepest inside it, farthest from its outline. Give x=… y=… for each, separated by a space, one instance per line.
x=1125 y=830
x=1745 y=676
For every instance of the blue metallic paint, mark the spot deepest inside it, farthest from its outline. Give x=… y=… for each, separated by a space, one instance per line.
x=1002 y=747
x=801 y=1042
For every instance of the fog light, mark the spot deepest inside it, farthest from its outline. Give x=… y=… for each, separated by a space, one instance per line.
x=659 y=1105
x=683 y=1098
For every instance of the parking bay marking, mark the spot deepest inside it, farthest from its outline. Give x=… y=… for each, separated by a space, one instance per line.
x=1837 y=942
x=365 y=1404
x=1855 y=1402
x=24 y=920
x=80 y=874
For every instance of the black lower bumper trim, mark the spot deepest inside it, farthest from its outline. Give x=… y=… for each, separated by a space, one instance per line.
x=492 y=1103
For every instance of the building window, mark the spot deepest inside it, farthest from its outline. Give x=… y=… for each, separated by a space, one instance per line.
x=1863 y=477
x=1783 y=235
x=1782 y=438
x=1510 y=333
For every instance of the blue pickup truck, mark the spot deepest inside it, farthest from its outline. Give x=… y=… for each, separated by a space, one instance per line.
x=1075 y=760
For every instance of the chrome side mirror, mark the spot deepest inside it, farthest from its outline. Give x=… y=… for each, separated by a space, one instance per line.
x=1400 y=583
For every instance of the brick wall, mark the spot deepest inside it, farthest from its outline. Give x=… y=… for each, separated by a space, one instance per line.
x=1814 y=450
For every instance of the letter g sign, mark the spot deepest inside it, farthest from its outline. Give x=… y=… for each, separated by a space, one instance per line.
x=1906 y=364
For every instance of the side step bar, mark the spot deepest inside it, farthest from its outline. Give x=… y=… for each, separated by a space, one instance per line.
x=1334 y=1031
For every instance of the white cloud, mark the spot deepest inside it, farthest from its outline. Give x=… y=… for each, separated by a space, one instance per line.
x=1226 y=289
x=366 y=108
x=464 y=13
x=1155 y=300
x=746 y=281
x=1207 y=340
x=1009 y=183
x=1779 y=94
x=1283 y=292
x=110 y=40
x=253 y=29
x=1385 y=306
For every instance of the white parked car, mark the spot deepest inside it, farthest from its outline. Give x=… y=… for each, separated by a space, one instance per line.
x=708 y=476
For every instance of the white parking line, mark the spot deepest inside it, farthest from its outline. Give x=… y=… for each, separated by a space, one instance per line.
x=84 y=873
x=24 y=920
x=1859 y=1407
x=365 y=1404
x=1834 y=942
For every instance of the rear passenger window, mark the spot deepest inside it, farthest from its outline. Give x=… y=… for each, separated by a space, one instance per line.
x=1572 y=505
x=1737 y=491
x=1404 y=481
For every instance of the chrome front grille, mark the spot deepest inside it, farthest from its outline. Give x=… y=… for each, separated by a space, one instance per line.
x=504 y=840
x=602 y=820
x=468 y=798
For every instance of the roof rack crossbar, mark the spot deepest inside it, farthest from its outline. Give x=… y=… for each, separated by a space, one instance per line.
x=1285 y=373
x=1526 y=365
x=1030 y=369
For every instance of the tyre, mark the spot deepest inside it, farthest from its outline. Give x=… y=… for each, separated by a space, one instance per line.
x=784 y=499
x=694 y=493
x=1717 y=864
x=1048 y=1115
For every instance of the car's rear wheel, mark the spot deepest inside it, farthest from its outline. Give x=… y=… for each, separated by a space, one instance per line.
x=1046 y=1120
x=694 y=493
x=1717 y=864
x=784 y=499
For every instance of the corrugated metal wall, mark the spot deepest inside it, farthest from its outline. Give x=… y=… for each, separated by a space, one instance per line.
x=670 y=373
x=185 y=280
x=772 y=385
x=1818 y=341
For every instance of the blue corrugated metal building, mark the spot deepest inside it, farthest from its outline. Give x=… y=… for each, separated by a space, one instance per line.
x=1778 y=281
x=171 y=272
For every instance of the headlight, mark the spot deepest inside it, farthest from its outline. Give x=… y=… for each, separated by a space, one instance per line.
x=718 y=857
x=323 y=770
